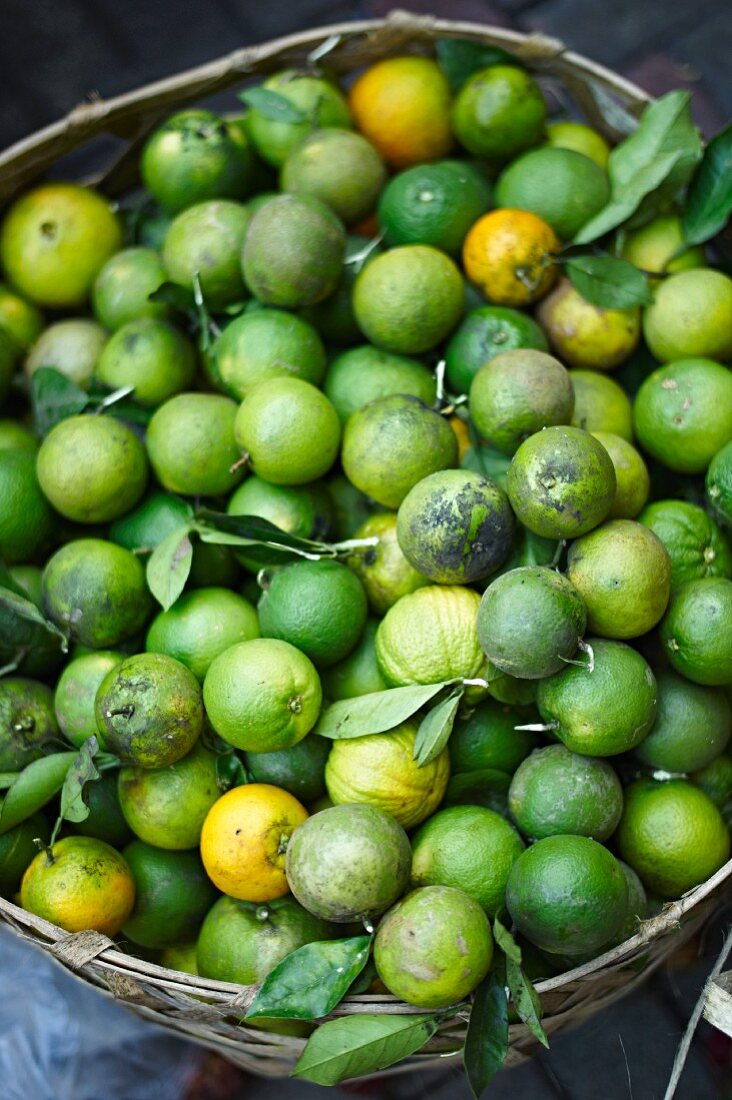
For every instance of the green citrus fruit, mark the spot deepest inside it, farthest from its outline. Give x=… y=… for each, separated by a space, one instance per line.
x=263 y=695
x=191 y=444
x=76 y=691
x=205 y=241
x=21 y=319
x=585 y=335
x=567 y=894
x=455 y=526
x=409 y=299
x=302 y=510
x=363 y=374
x=430 y=636
x=290 y=431
x=563 y=187
x=334 y=317
x=695 y=630
x=167 y=806
x=151 y=355
x=517 y=393
x=468 y=847
x=659 y=246
x=26 y=520
x=299 y=770
x=340 y=168
x=92 y=468
x=580 y=138
x=672 y=835
x=716 y=781
x=558 y=792
x=719 y=484
x=392 y=443
x=487 y=738
x=600 y=404
x=530 y=622
x=434 y=947
x=154 y=518
x=691 y=316
x=499 y=112
x=122 y=289
x=269 y=343
x=632 y=479
x=54 y=240
x=623 y=573
x=695 y=545
x=693 y=725
x=71 y=347
x=97 y=591
x=37 y=651
x=561 y=482
x=380 y=769
x=293 y=252
x=484 y=333
x=18 y=850
x=351 y=507
x=318 y=606
x=384 y=571
x=149 y=710
x=637 y=906
x=200 y=625
x=172 y=895
x=605 y=706
x=194 y=156
x=348 y=863
x=105 y=819
x=433 y=204
x=28 y=723
x=358 y=673
x=14 y=436
x=683 y=413
x=319 y=102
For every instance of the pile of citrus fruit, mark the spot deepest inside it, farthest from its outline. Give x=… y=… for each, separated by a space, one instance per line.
x=366 y=581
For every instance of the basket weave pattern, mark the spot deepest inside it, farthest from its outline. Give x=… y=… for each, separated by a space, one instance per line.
x=210 y=1012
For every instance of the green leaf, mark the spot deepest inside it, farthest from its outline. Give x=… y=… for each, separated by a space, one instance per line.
x=82 y=771
x=54 y=397
x=356 y=1045
x=709 y=200
x=169 y=565
x=35 y=786
x=230 y=772
x=172 y=294
x=435 y=728
x=310 y=982
x=612 y=110
x=482 y=787
x=374 y=713
x=506 y=942
x=526 y=1000
x=20 y=618
x=253 y=530
x=272 y=105
x=486 y=1042
x=657 y=159
x=461 y=58
x=609 y=282
x=6 y=580
x=7 y=779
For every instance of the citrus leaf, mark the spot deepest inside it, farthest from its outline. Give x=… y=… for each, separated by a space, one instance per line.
x=310 y=982
x=6 y=580
x=609 y=282
x=82 y=771
x=657 y=159
x=613 y=112
x=435 y=728
x=374 y=713
x=7 y=779
x=709 y=201
x=506 y=942
x=486 y=1042
x=169 y=565
x=363 y=981
x=230 y=772
x=19 y=618
x=175 y=295
x=482 y=787
x=460 y=58
x=357 y=1045
x=526 y=1000
x=35 y=786
x=255 y=530
x=272 y=105
x=54 y=397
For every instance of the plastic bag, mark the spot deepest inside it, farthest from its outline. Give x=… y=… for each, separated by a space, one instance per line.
x=62 y=1040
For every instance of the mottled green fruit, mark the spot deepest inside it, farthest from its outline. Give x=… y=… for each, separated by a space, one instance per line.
x=200 y=625
x=455 y=526
x=76 y=691
x=340 y=168
x=191 y=444
x=72 y=347
x=149 y=710
x=561 y=482
x=434 y=947
x=600 y=404
x=96 y=591
x=205 y=241
x=694 y=543
x=122 y=289
x=718 y=484
x=603 y=711
x=28 y=724
x=21 y=320
x=348 y=862
x=320 y=103
x=152 y=356
x=392 y=443
x=383 y=569
x=240 y=942
x=563 y=187
x=695 y=631
x=693 y=725
x=26 y=520
x=530 y=622
x=167 y=806
x=358 y=673
x=499 y=112
x=268 y=343
x=299 y=770
x=556 y=792
x=518 y=393
x=18 y=849
x=172 y=895
x=632 y=479
x=484 y=333
x=488 y=738
x=293 y=252
x=363 y=374
x=434 y=204
x=691 y=314
x=567 y=894
x=15 y=436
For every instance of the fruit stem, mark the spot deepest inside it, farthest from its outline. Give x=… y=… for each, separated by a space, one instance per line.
x=243 y=461
x=539 y=727
x=282 y=846
x=122 y=712
x=262 y=913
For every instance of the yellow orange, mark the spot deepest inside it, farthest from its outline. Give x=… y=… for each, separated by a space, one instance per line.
x=508 y=254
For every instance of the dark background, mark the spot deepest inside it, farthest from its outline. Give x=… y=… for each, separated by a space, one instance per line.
x=56 y=53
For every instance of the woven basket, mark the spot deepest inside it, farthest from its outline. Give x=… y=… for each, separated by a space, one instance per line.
x=210 y=1012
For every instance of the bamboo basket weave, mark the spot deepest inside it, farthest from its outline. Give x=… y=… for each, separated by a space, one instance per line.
x=210 y=1012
